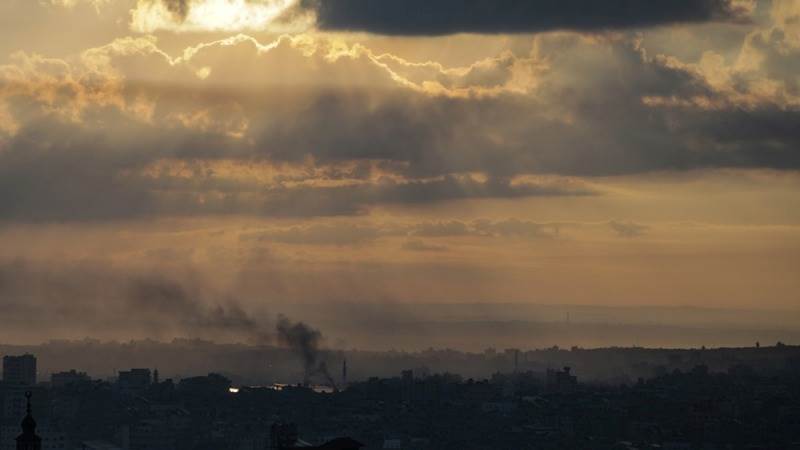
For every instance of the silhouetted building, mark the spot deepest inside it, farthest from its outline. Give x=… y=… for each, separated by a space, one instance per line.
x=208 y=385
x=13 y=397
x=147 y=434
x=20 y=370
x=140 y=377
x=134 y=380
x=29 y=440
x=61 y=379
x=561 y=380
x=15 y=409
x=14 y=402
x=407 y=380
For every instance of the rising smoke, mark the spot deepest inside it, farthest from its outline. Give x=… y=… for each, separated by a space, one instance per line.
x=89 y=299
x=304 y=341
x=163 y=296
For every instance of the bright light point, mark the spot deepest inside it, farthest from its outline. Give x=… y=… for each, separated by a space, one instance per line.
x=210 y=15
x=233 y=390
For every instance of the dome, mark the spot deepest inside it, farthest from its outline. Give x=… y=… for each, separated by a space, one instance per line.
x=28 y=423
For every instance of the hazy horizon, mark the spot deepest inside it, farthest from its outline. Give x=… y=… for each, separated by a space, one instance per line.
x=472 y=327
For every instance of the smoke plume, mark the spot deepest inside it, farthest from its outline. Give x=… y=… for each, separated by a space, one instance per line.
x=304 y=341
x=108 y=303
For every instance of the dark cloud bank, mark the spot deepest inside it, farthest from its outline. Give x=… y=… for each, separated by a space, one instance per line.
x=425 y=17
x=52 y=169
x=440 y=17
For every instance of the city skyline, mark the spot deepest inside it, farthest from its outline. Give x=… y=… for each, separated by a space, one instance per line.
x=614 y=398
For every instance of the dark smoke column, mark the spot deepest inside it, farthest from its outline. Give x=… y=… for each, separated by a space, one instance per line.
x=303 y=341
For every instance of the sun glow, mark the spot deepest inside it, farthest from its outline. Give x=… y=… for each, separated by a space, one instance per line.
x=212 y=15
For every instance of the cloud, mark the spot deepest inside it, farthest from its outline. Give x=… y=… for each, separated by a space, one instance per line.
x=762 y=76
x=438 y=229
x=115 y=130
x=322 y=234
x=628 y=229
x=56 y=171
x=357 y=199
x=422 y=17
x=361 y=233
x=48 y=171
x=489 y=228
x=72 y=3
x=517 y=228
x=417 y=245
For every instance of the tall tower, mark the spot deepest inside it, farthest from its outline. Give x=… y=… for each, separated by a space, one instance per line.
x=344 y=372
x=20 y=370
x=29 y=440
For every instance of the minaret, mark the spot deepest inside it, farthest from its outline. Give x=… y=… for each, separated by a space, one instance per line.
x=344 y=372
x=29 y=440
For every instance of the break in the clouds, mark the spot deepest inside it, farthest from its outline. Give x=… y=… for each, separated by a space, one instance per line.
x=421 y=17
x=210 y=15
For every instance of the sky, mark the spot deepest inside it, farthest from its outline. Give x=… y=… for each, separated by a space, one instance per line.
x=175 y=166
